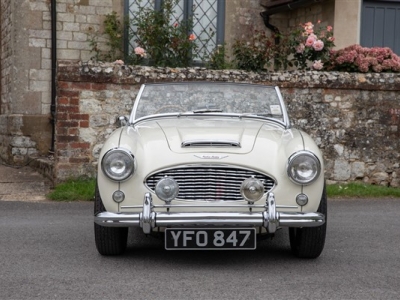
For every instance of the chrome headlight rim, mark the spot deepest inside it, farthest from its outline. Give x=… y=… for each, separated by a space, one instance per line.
x=292 y=160
x=131 y=167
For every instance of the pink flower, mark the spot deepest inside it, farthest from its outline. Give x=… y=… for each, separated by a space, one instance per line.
x=300 y=48
x=318 y=65
x=318 y=45
x=192 y=37
x=331 y=39
x=140 y=51
x=176 y=24
x=310 y=41
x=309 y=27
x=119 y=62
x=329 y=28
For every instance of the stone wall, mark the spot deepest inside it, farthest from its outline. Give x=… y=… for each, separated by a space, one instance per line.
x=354 y=118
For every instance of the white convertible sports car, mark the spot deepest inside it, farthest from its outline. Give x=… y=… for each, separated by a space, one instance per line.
x=210 y=166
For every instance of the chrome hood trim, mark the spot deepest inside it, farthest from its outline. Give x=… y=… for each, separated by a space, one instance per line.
x=210 y=143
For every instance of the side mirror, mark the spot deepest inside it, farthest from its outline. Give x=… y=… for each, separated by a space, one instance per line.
x=122 y=121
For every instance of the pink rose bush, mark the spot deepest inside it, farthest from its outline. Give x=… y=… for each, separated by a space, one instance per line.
x=356 y=58
x=317 y=42
x=306 y=47
x=163 y=39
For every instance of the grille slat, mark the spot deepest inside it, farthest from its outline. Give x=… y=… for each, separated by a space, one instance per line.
x=209 y=183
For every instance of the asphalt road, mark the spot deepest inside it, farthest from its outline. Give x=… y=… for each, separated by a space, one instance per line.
x=47 y=252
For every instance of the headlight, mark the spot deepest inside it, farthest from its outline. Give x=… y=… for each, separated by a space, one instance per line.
x=303 y=167
x=118 y=164
x=252 y=189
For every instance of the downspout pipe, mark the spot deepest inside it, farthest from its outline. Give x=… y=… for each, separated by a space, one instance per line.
x=53 y=72
x=283 y=8
x=271 y=27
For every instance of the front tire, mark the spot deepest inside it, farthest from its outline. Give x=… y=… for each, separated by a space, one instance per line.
x=308 y=242
x=109 y=240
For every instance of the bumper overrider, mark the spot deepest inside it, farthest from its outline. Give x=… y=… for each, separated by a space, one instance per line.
x=148 y=219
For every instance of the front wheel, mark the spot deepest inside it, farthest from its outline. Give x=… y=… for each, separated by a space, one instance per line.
x=308 y=242
x=109 y=240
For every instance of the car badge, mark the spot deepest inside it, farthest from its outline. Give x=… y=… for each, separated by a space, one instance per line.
x=210 y=156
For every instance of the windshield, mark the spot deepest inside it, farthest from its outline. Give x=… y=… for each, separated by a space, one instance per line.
x=207 y=97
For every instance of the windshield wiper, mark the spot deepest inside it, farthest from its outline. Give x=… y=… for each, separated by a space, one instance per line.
x=261 y=115
x=206 y=110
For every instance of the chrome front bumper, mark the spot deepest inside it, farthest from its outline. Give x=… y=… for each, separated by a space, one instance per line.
x=148 y=219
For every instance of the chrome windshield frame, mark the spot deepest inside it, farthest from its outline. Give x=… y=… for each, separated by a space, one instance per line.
x=285 y=123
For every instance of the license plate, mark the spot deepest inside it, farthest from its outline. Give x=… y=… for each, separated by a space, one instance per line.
x=210 y=239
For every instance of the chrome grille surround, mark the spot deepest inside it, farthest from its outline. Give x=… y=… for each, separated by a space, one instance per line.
x=209 y=182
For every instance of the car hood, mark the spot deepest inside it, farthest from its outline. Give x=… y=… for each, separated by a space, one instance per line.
x=222 y=135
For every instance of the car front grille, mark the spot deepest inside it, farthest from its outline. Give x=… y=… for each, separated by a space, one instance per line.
x=209 y=183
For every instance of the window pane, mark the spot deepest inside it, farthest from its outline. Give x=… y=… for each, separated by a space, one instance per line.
x=134 y=6
x=205 y=17
x=205 y=25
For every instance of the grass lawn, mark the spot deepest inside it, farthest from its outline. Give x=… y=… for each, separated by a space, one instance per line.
x=83 y=190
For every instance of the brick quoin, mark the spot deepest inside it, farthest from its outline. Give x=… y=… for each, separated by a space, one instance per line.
x=99 y=86
x=62 y=146
x=78 y=160
x=67 y=138
x=62 y=131
x=67 y=93
x=68 y=123
x=68 y=109
x=72 y=131
x=63 y=100
x=81 y=85
x=81 y=117
x=80 y=145
x=62 y=116
x=84 y=124
x=74 y=101
x=63 y=85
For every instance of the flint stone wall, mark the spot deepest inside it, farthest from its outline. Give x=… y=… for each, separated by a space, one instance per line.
x=354 y=118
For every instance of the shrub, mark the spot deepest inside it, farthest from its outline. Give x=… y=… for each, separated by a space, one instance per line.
x=255 y=54
x=166 y=41
x=218 y=59
x=307 y=47
x=311 y=46
x=113 y=28
x=360 y=59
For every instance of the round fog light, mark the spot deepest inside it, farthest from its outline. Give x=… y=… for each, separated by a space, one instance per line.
x=302 y=199
x=252 y=189
x=118 y=196
x=167 y=189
